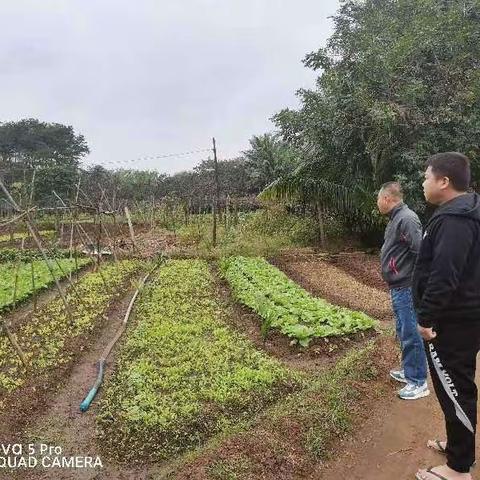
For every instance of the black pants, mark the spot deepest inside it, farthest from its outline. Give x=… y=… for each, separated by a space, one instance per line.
x=452 y=357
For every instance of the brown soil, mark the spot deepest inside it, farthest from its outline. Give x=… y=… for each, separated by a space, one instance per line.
x=392 y=444
x=335 y=285
x=148 y=242
x=365 y=267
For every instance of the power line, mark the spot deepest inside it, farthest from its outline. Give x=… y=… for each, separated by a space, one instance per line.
x=154 y=157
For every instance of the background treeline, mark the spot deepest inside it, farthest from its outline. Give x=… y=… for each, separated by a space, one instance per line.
x=38 y=158
x=397 y=81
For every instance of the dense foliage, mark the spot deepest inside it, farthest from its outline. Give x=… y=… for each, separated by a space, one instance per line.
x=399 y=80
x=52 y=150
x=10 y=254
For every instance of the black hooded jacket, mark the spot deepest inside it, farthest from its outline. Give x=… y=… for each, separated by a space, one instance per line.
x=446 y=278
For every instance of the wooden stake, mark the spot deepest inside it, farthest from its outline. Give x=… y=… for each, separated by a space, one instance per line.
x=17 y=268
x=13 y=341
x=34 y=294
x=130 y=227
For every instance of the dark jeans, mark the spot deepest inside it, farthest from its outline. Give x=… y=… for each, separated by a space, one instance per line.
x=414 y=362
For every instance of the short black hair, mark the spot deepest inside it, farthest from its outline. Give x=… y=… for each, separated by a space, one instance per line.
x=393 y=188
x=453 y=165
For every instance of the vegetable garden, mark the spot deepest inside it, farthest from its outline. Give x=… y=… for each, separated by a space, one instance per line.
x=227 y=322
x=42 y=339
x=20 y=280
x=182 y=374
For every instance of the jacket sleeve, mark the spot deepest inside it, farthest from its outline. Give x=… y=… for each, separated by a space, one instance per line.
x=411 y=234
x=451 y=246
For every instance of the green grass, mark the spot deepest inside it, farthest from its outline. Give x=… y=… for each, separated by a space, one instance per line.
x=44 y=338
x=232 y=470
x=327 y=407
x=43 y=278
x=263 y=232
x=183 y=373
x=284 y=305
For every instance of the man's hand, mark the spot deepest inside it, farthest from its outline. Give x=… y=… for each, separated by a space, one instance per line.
x=426 y=333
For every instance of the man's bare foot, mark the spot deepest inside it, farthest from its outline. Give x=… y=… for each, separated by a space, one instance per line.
x=437 y=445
x=442 y=472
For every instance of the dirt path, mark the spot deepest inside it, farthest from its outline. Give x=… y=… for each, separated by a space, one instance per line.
x=392 y=445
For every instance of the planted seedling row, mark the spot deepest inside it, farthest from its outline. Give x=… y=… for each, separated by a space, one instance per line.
x=284 y=305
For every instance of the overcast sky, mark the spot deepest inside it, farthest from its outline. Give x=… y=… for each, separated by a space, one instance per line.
x=150 y=77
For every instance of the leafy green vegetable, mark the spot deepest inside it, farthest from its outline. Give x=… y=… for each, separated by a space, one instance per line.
x=12 y=254
x=42 y=277
x=183 y=372
x=285 y=305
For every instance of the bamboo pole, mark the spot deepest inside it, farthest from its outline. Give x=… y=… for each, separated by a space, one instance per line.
x=17 y=268
x=34 y=293
x=13 y=341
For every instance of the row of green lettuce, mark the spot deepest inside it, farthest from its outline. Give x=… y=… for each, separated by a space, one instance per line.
x=11 y=254
x=20 y=280
x=284 y=305
x=183 y=373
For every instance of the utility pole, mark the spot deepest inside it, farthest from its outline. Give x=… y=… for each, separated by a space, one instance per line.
x=217 y=194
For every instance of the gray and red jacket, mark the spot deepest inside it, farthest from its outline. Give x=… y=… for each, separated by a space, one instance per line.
x=403 y=236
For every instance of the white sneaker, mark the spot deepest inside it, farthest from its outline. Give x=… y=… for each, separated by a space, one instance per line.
x=414 y=392
x=398 y=375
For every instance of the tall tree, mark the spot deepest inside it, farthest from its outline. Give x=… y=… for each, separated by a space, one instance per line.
x=51 y=149
x=268 y=158
x=399 y=80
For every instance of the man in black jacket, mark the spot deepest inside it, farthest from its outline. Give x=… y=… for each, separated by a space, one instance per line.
x=446 y=291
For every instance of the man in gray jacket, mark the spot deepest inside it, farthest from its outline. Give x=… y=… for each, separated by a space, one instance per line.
x=403 y=236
